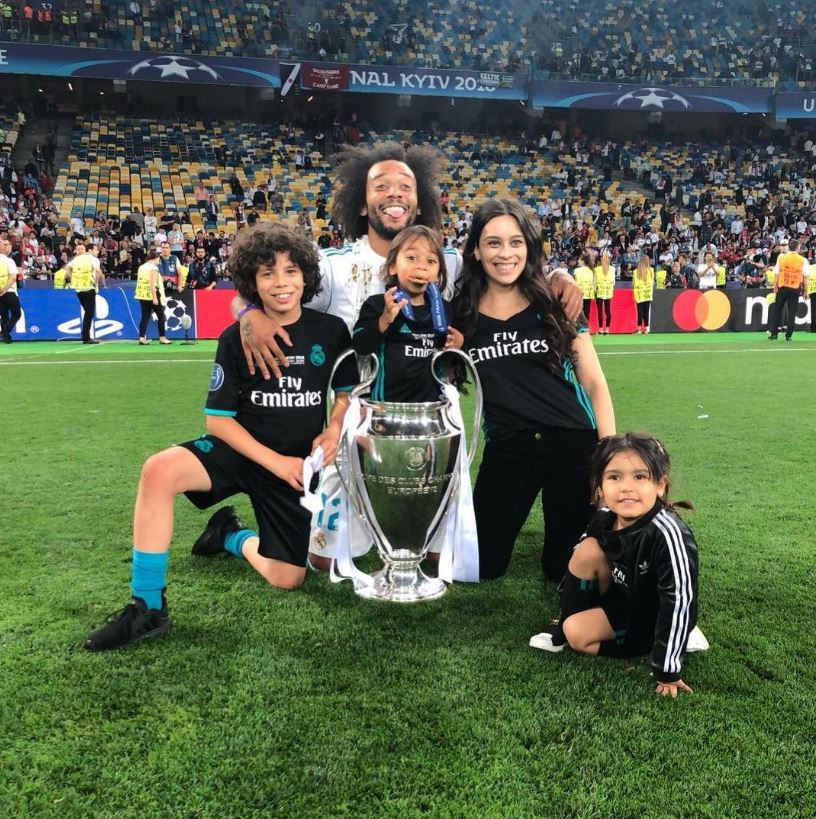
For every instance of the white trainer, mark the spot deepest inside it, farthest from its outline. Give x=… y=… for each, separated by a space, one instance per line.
x=551 y=639
x=696 y=641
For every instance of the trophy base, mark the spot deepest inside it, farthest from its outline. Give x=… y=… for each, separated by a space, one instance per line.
x=403 y=586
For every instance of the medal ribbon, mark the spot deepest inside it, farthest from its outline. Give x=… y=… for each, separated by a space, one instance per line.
x=435 y=304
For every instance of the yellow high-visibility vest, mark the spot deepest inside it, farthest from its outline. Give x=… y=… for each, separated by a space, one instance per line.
x=585 y=279
x=643 y=287
x=604 y=285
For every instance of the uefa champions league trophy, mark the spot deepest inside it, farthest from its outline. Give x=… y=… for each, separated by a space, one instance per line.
x=403 y=462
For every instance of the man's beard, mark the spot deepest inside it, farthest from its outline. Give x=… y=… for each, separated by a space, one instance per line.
x=377 y=225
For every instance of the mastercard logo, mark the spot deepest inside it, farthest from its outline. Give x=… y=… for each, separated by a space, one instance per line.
x=695 y=310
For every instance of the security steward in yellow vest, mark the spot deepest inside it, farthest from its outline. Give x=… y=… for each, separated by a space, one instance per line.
x=660 y=279
x=604 y=290
x=84 y=275
x=10 y=311
x=585 y=279
x=790 y=283
x=643 y=281
x=150 y=295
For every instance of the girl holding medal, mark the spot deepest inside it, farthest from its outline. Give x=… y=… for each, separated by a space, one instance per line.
x=405 y=325
x=546 y=401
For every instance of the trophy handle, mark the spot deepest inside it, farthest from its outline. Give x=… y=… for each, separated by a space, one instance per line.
x=368 y=366
x=477 y=417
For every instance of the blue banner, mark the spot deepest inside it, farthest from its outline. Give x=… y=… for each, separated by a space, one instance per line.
x=795 y=105
x=436 y=82
x=51 y=315
x=63 y=61
x=670 y=99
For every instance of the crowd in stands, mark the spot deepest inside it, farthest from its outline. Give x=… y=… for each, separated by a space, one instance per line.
x=667 y=42
x=196 y=186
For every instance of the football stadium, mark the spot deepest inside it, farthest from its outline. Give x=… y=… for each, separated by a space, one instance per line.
x=529 y=553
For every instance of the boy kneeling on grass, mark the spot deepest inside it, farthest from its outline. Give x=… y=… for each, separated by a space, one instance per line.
x=258 y=433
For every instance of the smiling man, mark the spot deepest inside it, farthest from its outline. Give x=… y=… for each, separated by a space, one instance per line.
x=381 y=190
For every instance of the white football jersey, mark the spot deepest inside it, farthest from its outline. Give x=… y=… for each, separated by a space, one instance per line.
x=350 y=274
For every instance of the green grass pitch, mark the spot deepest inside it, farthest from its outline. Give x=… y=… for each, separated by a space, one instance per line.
x=261 y=703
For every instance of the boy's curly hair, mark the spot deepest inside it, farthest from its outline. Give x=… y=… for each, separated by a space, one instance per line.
x=352 y=173
x=260 y=245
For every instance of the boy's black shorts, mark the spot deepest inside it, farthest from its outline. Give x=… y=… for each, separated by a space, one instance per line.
x=634 y=627
x=283 y=524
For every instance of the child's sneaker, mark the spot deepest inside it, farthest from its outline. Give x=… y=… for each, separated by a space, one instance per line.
x=211 y=540
x=134 y=623
x=696 y=641
x=551 y=639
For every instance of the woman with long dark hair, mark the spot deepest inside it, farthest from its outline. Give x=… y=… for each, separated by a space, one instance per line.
x=546 y=398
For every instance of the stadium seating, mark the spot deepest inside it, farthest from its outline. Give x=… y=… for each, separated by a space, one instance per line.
x=9 y=131
x=676 y=40
x=116 y=164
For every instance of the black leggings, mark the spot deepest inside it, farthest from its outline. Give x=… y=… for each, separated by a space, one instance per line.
x=587 y=306
x=604 y=306
x=553 y=463
x=87 y=298
x=813 y=312
x=147 y=308
x=643 y=309
x=10 y=312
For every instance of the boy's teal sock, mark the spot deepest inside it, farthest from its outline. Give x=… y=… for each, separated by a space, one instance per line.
x=149 y=577
x=234 y=542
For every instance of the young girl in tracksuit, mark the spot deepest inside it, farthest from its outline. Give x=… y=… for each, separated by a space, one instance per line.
x=631 y=584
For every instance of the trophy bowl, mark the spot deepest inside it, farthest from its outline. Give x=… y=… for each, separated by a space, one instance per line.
x=404 y=473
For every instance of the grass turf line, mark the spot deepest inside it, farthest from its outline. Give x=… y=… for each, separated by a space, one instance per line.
x=314 y=703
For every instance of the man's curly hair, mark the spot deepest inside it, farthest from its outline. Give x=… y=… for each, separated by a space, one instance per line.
x=260 y=245
x=352 y=173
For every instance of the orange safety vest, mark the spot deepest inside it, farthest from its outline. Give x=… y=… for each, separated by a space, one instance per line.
x=791 y=267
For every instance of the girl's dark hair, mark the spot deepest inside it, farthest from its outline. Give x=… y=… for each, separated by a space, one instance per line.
x=352 y=174
x=408 y=236
x=261 y=244
x=646 y=447
x=472 y=284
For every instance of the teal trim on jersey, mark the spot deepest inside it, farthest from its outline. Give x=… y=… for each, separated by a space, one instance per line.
x=582 y=330
x=348 y=388
x=225 y=413
x=580 y=392
x=378 y=388
x=357 y=330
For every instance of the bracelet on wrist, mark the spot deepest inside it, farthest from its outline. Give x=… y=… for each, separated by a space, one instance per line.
x=244 y=310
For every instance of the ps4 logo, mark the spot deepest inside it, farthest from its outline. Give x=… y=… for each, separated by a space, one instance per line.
x=102 y=326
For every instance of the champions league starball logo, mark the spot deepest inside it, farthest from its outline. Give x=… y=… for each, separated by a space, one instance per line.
x=174 y=313
x=171 y=66
x=652 y=98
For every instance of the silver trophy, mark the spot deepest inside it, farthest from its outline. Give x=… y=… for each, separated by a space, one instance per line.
x=403 y=472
